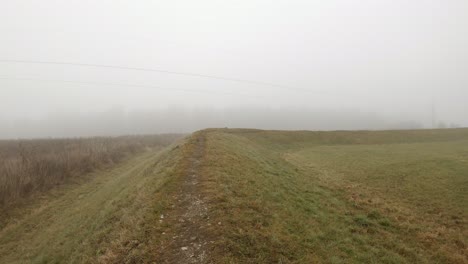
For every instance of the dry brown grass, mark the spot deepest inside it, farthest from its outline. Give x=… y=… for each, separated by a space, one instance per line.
x=30 y=166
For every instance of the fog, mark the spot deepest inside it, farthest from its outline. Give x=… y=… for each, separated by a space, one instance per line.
x=87 y=68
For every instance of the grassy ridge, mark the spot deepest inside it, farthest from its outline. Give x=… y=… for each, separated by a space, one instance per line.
x=109 y=218
x=339 y=197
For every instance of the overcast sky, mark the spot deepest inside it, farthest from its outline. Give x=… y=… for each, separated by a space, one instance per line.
x=392 y=57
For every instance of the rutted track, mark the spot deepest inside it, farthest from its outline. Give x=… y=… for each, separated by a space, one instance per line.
x=187 y=242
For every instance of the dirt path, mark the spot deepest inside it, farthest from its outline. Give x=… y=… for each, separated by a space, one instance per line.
x=186 y=241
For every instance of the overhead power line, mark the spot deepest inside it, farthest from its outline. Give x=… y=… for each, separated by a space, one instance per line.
x=156 y=70
x=129 y=85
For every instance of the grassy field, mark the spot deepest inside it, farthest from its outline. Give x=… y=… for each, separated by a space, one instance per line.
x=339 y=197
x=270 y=197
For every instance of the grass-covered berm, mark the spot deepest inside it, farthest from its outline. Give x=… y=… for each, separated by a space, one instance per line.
x=338 y=197
x=253 y=196
x=107 y=216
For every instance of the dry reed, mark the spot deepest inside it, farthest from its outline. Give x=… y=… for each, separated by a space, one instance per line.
x=30 y=166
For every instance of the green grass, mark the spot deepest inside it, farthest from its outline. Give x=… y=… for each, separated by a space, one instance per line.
x=339 y=197
x=407 y=172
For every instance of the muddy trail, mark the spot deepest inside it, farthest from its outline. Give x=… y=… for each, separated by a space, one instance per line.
x=185 y=239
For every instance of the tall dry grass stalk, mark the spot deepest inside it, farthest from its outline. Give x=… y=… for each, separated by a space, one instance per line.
x=29 y=166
